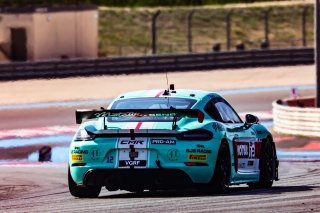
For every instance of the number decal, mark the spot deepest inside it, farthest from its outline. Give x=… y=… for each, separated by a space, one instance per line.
x=109 y=159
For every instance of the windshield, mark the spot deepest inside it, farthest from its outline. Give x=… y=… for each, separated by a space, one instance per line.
x=150 y=103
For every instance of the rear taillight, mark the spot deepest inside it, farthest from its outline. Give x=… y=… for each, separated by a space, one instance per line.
x=83 y=135
x=197 y=134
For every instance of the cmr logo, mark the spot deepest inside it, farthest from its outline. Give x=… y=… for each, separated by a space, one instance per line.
x=132 y=142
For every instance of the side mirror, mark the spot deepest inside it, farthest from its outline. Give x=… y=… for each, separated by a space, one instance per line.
x=252 y=119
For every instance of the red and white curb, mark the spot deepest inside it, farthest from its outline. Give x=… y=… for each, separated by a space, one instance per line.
x=38 y=132
x=32 y=164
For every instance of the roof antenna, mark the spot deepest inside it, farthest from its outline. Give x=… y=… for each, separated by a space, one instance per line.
x=166 y=92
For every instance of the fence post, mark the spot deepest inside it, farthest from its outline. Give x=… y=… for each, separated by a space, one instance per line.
x=228 y=28
x=304 y=27
x=266 y=27
x=190 y=16
x=154 y=32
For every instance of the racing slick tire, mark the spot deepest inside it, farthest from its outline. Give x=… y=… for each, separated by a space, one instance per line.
x=82 y=192
x=221 y=177
x=267 y=165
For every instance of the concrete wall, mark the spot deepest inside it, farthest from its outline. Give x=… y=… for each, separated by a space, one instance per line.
x=66 y=34
x=9 y=21
x=54 y=35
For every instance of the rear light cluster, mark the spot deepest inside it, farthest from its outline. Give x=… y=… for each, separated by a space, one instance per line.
x=197 y=134
x=83 y=135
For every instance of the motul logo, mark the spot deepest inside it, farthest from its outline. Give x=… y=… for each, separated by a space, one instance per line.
x=243 y=150
x=131 y=142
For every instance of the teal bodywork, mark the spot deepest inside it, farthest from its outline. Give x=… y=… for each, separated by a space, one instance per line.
x=103 y=153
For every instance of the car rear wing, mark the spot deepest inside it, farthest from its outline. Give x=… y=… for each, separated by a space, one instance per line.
x=85 y=114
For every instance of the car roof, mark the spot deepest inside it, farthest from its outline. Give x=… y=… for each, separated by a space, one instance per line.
x=180 y=93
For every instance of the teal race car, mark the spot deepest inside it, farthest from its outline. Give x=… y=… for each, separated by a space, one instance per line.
x=169 y=139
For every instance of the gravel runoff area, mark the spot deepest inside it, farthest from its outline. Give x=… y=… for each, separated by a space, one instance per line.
x=100 y=87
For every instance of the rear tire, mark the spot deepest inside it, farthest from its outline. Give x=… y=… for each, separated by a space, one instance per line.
x=221 y=177
x=267 y=166
x=82 y=192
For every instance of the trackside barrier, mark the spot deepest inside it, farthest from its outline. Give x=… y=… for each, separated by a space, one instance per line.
x=158 y=63
x=296 y=120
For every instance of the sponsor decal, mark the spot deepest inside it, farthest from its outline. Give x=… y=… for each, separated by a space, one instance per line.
x=132 y=142
x=163 y=141
x=197 y=157
x=94 y=154
x=124 y=163
x=205 y=151
x=77 y=157
x=138 y=143
x=218 y=127
x=241 y=165
x=243 y=150
x=132 y=114
x=249 y=150
x=77 y=150
x=173 y=154
x=250 y=163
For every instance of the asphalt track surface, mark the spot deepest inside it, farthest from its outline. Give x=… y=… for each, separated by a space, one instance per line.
x=25 y=191
x=43 y=188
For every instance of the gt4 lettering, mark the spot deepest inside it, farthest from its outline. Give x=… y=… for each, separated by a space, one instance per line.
x=124 y=163
x=163 y=141
x=198 y=157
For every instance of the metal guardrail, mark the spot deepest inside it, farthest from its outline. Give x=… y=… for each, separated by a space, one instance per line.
x=152 y=64
x=296 y=120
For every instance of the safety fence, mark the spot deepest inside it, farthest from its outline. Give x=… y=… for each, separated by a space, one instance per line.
x=303 y=121
x=157 y=63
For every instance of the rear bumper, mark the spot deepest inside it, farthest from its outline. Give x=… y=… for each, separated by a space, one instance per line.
x=130 y=179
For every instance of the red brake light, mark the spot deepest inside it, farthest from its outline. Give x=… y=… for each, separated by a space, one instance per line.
x=200 y=116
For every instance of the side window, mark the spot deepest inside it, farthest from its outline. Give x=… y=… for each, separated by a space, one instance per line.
x=212 y=111
x=226 y=113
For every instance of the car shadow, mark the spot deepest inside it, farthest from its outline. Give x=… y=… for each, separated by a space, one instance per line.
x=234 y=191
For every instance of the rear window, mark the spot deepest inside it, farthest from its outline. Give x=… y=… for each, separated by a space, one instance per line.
x=150 y=103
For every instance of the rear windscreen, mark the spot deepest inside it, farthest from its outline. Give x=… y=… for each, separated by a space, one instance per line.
x=150 y=103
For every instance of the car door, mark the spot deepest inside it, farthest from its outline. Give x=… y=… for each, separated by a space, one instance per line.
x=246 y=147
